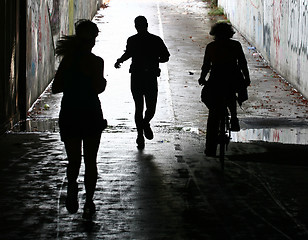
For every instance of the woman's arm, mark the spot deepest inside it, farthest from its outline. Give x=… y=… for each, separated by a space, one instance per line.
x=99 y=79
x=58 y=82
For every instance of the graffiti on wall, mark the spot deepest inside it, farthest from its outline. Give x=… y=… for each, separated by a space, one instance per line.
x=278 y=28
x=32 y=44
x=40 y=54
x=297 y=27
x=277 y=15
x=255 y=3
x=267 y=39
x=54 y=12
x=38 y=20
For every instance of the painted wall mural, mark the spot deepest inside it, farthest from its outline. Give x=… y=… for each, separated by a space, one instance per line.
x=278 y=28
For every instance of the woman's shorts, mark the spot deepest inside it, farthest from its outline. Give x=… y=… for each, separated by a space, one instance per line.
x=81 y=124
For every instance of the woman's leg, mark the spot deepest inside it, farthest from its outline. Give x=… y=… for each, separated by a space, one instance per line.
x=73 y=151
x=90 y=148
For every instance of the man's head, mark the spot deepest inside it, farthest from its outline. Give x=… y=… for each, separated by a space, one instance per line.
x=141 y=24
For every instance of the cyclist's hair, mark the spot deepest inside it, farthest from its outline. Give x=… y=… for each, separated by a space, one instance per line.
x=222 y=30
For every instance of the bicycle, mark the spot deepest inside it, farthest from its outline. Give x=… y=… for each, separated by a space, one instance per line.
x=224 y=136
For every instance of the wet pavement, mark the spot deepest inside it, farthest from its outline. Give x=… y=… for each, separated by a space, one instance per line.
x=170 y=190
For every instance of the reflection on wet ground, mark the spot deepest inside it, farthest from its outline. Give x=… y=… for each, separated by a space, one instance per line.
x=37 y=125
x=286 y=135
x=279 y=135
x=276 y=130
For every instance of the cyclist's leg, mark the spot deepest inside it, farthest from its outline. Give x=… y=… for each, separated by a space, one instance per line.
x=233 y=112
x=231 y=104
x=212 y=132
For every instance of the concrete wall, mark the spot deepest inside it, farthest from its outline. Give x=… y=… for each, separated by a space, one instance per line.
x=279 y=30
x=8 y=61
x=40 y=50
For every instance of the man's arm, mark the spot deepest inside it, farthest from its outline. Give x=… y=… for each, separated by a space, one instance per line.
x=125 y=56
x=164 y=53
x=122 y=59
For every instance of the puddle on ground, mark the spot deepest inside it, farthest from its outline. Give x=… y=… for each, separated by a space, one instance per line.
x=51 y=125
x=38 y=125
x=277 y=135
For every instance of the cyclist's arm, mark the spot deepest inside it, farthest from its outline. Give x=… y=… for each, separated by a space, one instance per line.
x=205 y=67
x=242 y=62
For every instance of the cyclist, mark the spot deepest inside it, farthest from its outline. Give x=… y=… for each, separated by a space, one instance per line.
x=224 y=59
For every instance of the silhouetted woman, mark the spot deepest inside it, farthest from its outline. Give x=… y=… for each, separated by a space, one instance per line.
x=80 y=77
x=224 y=59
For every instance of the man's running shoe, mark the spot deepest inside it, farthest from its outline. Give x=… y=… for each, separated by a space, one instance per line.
x=148 y=133
x=140 y=142
x=88 y=210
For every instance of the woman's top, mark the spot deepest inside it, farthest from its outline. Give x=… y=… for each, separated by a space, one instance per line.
x=78 y=92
